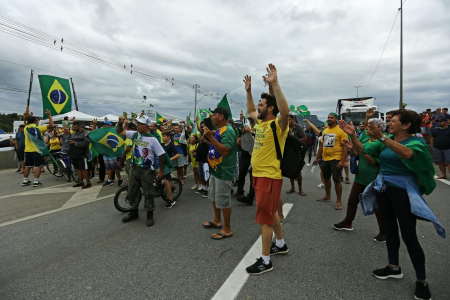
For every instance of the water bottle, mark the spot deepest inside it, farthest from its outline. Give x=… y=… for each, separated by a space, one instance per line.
x=313 y=168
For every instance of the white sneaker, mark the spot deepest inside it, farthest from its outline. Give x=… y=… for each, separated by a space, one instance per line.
x=321 y=185
x=308 y=164
x=199 y=188
x=194 y=187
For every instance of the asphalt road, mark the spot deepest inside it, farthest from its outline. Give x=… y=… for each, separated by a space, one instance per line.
x=86 y=252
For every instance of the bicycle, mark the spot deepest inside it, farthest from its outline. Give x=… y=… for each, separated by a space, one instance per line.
x=122 y=201
x=62 y=166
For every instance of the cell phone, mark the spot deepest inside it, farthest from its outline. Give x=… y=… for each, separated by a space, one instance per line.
x=208 y=123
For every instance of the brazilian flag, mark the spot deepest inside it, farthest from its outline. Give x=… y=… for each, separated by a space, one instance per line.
x=301 y=110
x=133 y=115
x=107 y=142
x=159 y=119
x=56 y=95
x=92 y=152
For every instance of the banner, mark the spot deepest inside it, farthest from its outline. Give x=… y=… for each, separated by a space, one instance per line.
x=107 y=142
x=56 y=95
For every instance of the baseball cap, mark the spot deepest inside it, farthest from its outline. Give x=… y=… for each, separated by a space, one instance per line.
x=107 y=123
x=21 y=126
x=221 y=110
x=144 y=120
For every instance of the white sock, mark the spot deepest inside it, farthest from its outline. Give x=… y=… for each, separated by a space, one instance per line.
x=36 y=180
x=25 y=178
x=279 y=243
x=266 y=259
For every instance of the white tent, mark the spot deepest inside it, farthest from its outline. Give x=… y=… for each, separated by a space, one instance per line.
x=77 y=114
x=111 y=118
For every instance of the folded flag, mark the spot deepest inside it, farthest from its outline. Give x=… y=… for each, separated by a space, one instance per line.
x=107 y=142
x=56 y=94
x=301 y=110
x=92 y=152
x=125 y=115
x=133 y=115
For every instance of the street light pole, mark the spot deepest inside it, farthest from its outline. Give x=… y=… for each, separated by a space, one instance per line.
x=401 y=55
x=357 y=87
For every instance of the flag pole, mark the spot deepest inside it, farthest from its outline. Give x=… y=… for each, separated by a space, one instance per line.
x=74 y=94
x=29 y=94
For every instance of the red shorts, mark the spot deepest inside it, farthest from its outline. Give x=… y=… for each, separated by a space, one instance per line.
x=268 y=195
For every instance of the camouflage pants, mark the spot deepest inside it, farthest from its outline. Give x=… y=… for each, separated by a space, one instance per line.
x=140 y=177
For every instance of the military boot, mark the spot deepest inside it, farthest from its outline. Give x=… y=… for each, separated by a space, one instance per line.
x=150 y=220
x=133 y=215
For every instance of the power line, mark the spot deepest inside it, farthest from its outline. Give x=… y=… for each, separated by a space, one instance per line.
x=385 y=45
x=34 y=35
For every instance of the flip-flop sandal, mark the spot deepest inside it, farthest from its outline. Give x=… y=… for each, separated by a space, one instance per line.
x=221 y=236
x=323 y=200
x=290 y=192
x=338 y=207
x=302 y=193
x=211 y=224
x=282 y=221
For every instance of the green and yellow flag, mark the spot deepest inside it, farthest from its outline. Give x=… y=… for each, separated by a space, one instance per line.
x=301 y=110
x=125 y=115
x=159 y=119
x=107 y=142
x=92 y=152
x=133 y=115
x=224 y=103
x=56 y=95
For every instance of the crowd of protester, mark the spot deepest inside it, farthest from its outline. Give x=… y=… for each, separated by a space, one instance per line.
x=392 y=160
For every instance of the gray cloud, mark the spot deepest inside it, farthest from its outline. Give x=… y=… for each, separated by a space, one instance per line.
x=322 y=49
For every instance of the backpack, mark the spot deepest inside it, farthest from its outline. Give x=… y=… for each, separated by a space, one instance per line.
x=293 y=158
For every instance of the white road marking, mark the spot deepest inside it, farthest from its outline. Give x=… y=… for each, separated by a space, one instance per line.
x=83 y=196
x=442 y=180
x=53 y=211
x=46 y=190
x=236 y=281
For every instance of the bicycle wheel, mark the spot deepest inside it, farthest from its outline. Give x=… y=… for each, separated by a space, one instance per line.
x=63 y=169
x=175 y=186
x=74 y=173
x=52 y=168
x=122 y=201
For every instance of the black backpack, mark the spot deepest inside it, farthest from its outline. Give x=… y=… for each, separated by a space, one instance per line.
x=293 y=159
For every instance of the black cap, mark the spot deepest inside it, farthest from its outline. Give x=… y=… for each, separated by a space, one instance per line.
x=21 y=126
x=221 y=110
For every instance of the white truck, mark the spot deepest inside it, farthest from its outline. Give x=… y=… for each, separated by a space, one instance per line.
x=354 y=109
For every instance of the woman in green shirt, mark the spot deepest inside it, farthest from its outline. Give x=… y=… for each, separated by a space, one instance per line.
x=368 y=168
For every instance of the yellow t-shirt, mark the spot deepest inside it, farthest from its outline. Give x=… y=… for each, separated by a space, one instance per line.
x=129 y=143
x=54 y=144
x=332 y=142
x=264 y=157
x=37 y=131
x=192 y=148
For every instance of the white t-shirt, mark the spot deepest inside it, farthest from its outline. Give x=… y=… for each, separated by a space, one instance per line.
x=144 y=150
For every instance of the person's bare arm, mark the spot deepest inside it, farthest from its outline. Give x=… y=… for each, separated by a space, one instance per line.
x=94 y=124
x=344 y=156
x=316 y=130
x=351 y=131
x=283 y=106
x=369 y=114
x=250 y=104
x=271 y=92
x=319 y=154
x=120 y=128
x=399 y=149
x=50 y=119
x=223 y=150
x=432 y=143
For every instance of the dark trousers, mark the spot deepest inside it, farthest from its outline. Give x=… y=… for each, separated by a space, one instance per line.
x=352 y=206
x=244 y=164
x=140 y=177
x=395 y=207
x=251 y=193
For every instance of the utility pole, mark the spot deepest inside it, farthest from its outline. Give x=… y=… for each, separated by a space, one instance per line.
x=195 y=105
x=29 y=94
x=401 y=55
x=74 y=95
x=357 y=87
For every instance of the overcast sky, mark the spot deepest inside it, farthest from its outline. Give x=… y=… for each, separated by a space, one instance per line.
x=322 y=49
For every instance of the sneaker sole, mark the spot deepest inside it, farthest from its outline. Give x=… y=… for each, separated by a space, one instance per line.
x=380 y=242
x=399 y=276
x=262 y=272
x=279 y=252
x=415 y=297
x=343 y=229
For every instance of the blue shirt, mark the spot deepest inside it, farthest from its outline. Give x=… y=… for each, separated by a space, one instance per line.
x=20 y=137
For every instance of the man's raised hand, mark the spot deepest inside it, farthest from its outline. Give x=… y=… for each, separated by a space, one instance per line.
x=121 y=120
x=248 y=83
x=370 y=113
x=271 y=75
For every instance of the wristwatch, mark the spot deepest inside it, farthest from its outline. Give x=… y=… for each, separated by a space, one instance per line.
x=383 y=138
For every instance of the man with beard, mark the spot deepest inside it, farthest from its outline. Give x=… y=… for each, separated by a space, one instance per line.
x=334 y=153
x=267 y=178
x=78 y=153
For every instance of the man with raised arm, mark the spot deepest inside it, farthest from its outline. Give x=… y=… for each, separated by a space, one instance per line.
x=267 y=178
x=141 y=173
